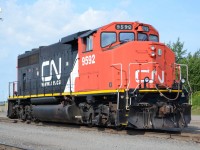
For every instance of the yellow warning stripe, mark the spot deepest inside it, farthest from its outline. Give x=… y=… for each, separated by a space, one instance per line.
x=87 y=93
x=124 y=124
x=156 y=91
x=66 y=94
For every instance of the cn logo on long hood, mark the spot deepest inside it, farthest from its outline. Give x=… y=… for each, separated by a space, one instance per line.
x=52 y=66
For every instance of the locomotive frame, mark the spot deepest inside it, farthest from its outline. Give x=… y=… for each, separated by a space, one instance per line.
x=115 y=75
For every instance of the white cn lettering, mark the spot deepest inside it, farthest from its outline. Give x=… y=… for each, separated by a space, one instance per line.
x=143 y=71
x=163 y=77
x=52 y=67
x=152 y=74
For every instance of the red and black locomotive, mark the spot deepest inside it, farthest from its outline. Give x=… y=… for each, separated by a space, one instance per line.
x=115 y=75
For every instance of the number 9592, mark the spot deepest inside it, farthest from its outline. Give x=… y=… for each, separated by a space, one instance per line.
x=87 y=60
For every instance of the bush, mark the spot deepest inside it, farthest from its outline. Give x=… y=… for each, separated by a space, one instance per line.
x=196 y=103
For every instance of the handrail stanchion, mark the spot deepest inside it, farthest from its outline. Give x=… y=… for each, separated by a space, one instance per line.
x=121 y=78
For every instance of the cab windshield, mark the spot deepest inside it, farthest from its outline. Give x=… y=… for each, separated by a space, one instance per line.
x=153 y=38
x=126 y=36
x=108 y=38
x=142 y=37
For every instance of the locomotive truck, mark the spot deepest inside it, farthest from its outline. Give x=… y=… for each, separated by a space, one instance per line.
x=116 y=75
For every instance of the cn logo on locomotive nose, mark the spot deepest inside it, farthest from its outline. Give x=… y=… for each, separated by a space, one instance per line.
x=152 y=74
x=46 y=79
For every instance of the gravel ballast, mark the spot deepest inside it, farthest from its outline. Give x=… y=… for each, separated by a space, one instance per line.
x=29 y=136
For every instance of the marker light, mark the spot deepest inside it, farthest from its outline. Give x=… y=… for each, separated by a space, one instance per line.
x=159 y=52
x=183 y=80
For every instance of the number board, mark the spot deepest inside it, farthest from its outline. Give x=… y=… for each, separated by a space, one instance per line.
x=124 y=27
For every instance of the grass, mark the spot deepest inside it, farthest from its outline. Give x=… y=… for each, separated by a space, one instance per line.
x=196 y=103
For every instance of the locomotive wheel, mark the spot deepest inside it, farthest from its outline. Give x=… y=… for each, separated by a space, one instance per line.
x=90 y=121
x=11 y=111
x=181 y=123
x=22 y=115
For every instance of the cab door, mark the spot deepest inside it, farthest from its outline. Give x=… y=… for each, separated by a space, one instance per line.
x=88 y=68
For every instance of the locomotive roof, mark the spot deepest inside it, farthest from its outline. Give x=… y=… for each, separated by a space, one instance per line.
x=88 y=33
x=27 y=53
x=73 y=37
x=64 y=40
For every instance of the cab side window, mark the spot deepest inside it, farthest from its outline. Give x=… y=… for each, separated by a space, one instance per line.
x=88 y=43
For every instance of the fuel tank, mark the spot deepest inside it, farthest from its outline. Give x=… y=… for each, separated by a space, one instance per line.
x=44 y=101
x=57 y=113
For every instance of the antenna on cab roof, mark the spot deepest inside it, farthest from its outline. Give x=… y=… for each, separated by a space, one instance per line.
x=0 y=12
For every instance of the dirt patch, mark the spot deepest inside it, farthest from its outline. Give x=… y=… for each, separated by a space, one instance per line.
x=6 y=147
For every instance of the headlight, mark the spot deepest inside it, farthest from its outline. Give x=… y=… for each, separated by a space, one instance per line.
x=146 y=79
x=153 y=48
x=183 y=80
x=153 y=54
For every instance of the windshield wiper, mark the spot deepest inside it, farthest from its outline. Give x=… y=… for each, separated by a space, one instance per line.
x=125 y=41
x=111 y=44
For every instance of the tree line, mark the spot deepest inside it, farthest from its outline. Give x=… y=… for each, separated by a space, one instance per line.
x=192 y=60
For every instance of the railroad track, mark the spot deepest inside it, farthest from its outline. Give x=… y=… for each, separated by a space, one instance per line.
x=189 y=135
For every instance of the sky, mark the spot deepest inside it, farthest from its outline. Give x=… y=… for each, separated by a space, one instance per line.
x=28 y=24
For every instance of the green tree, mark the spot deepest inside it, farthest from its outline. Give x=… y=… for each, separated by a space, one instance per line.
x=177 y=47
x=193 y=62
